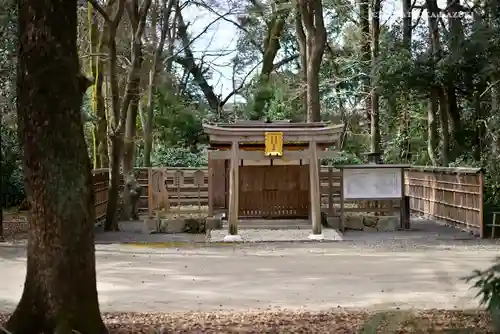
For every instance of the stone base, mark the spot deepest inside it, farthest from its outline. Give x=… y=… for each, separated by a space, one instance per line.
x=316 y=236
x=149 y=225
x=333 y=222
x=233 y=238
x=213 y=223
x=180 y=225
x=174 y=225
x=367 y=222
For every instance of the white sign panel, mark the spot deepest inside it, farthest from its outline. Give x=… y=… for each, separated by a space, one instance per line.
x=372 y=183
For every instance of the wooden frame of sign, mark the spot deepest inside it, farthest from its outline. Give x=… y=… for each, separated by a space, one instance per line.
x=373 y=182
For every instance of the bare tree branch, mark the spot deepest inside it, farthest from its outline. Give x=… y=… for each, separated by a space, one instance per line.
x=236 y=24
x=101 y=10
x=285 y=61
x=241 y=86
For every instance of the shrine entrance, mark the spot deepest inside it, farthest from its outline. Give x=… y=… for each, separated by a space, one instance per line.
x=274 y=193
x=272 y=170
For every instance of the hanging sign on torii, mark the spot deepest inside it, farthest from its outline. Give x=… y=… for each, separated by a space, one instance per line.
x=274 y=144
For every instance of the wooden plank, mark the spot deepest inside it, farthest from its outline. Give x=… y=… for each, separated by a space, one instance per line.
x=330 y=190
x=315 y=190
x=233 y=190
x=211 y=187
x=453 y=195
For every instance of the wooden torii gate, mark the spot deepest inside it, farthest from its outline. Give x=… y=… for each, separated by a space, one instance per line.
x=255 y=150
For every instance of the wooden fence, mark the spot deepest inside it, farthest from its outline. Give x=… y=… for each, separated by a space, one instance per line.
x=454 y=195
x=186 y=194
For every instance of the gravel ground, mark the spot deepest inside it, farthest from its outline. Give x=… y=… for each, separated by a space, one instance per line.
x=433 y=321
x=364 y=273
x=267 y=235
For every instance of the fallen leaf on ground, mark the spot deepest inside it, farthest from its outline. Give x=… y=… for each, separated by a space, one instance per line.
x=338 y=322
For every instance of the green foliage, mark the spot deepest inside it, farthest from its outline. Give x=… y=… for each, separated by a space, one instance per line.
x=12 y=183
x=179 y=157
x=343 y=158
x=178 y=121
x=488 y=283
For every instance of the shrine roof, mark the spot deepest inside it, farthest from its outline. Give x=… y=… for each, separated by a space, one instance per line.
x=254 y=131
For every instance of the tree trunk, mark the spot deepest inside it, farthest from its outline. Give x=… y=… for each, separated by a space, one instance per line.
x=407 y=20
x=98 y=102
x=445 y=133
x=189 y=63
x=301 y=37
x=271 y=48
x=432 y=140
x=374 y=124
x=364 y=14
x=313 y=101
x=114 y=125
x=311 y=13
x=120 y=109
x=404 y=119
x=1 y=222
x=436 y=89
x=132 y=95
x=115 y=153
x=130 y=130
x=60 y=293
x=166 y=31
x=101 y=131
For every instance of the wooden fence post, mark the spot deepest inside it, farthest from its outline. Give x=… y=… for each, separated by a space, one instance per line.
x=481 y=206
x=178 y=182
x=150 y=192
x=330 y=191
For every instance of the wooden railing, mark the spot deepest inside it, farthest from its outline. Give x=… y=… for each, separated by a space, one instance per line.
x=454 y=195
x=183 y=195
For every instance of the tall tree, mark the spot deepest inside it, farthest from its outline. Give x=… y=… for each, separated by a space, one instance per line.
x=374 y=119
x=60 y=293
x=166 y=30
x=435 y=88
x=364 y=22
x=404 y=148
x=137 y=16
x=311 y=13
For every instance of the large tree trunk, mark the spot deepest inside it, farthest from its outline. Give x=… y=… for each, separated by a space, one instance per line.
x=311 y=13
x=60 y=293
x=456 y=37
x=166 y=31
x=364 y=21
x=98 y=103
x=115 y=154
x=436 y=89
x=271 y=48
x=375 y=127
x=115 y=120
x=404 y=148
x=301 y=37
x=120 y=109
x=138 y=21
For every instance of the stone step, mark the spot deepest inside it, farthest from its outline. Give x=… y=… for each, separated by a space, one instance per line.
x=270 y=227
x=264 y=224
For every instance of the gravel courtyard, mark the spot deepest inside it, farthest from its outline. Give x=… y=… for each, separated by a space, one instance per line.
x=225 y=282
x=270 y=276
